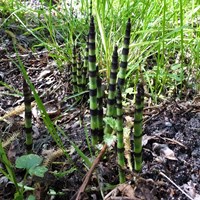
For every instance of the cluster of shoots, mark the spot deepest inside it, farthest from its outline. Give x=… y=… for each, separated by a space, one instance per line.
x=114 y=107
x=79 y=71
x=88 y=72
x=85 y=75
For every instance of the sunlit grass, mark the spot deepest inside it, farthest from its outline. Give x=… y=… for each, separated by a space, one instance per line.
x=164 y=34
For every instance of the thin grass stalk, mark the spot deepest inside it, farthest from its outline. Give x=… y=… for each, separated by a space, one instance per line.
x=100 y=106
x=163 y=30
x=182 y=41
x=125 y=51
x=74 y=71
x=110 y=110
x=93 y=83
x=120 y=143
x=162 y=54
x=28 y=116
x=104 y=39
x=10 y=174
x=138 y=119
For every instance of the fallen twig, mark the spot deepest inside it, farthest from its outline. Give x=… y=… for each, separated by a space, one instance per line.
x=89 y=173
x=189 y=197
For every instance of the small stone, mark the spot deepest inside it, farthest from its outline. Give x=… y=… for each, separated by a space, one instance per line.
x=1 y=76
x=168 y=124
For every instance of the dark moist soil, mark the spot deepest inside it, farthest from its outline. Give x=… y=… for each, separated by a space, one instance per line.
x=171 y=142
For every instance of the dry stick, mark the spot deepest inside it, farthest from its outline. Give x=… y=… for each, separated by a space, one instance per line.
x=162 y=174
x=89 y=173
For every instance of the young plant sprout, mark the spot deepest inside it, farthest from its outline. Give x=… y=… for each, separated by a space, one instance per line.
x=90 y=8
x=99 y=106
x=93 y=84
x=79 y=73
x=111 y=102
x=125 y=51
x=138 y=117
x=28 y=116
x=85 y=66
x=120 y=142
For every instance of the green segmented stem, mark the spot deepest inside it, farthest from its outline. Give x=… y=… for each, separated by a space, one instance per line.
x=110 y=111
x=85 y=66
x=90 y=8
x=120 y=142
x=138 y=119
x=100 y=106
x=74 y=69
x=125 y=51
x=93 y=84
x=79 y=73
x=28 y=116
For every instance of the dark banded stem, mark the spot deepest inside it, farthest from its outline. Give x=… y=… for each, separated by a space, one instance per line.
x=93 y=84
x=28 y=116
x=85 y=66
x=120 y=142
x=100 y=106
x=90 y=8
x=110 y=110
x=125 y=51
x=79 y=73
x=138 y=122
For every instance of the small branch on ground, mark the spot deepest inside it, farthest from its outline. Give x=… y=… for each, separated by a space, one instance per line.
x=78 y=195
x=172 y=182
